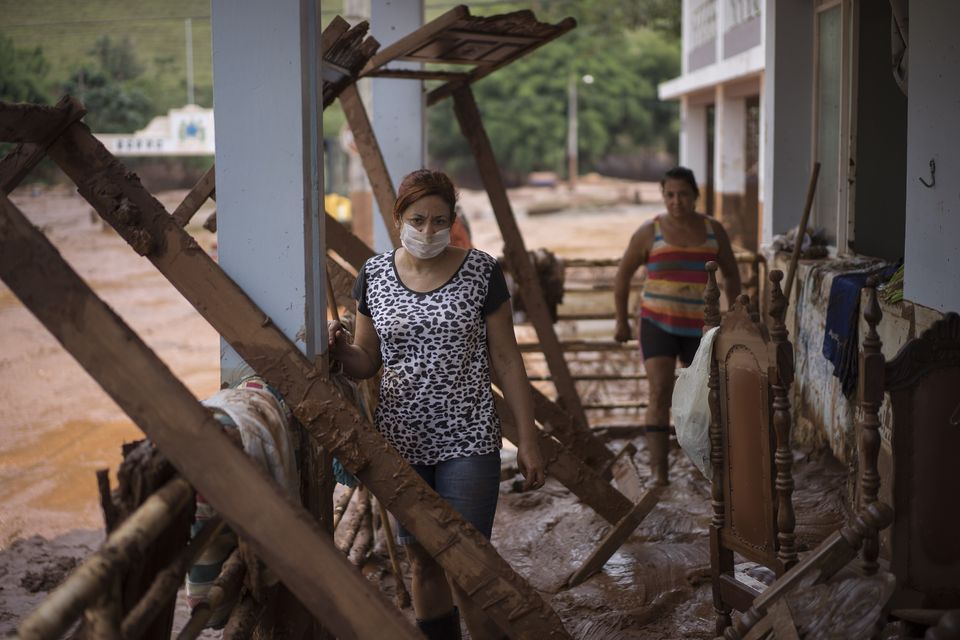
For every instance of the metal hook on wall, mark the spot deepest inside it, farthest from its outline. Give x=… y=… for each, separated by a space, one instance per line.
x=933 y=175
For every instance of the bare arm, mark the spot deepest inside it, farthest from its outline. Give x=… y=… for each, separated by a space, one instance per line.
x=635 y=256
x=362 y=358
x=728 y=263
x=512 y=376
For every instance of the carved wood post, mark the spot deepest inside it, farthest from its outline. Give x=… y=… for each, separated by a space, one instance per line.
x=781 y=381
x=871 y=381
x=719 y=558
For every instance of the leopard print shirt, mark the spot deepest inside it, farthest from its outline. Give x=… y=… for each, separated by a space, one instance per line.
x=435 y=398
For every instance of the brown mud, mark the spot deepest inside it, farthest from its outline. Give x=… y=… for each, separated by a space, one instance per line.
x=57 y=427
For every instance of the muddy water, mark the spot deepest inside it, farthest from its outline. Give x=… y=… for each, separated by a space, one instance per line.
x=57 y=427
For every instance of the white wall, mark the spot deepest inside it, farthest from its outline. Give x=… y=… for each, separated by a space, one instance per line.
x=787 y=113
x=398 y=105
x=932 y=247
x=731 y=142
x=266 y=103
x=693 y=138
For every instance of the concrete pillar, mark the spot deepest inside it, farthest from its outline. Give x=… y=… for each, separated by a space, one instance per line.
x=932 y=244
x=693 y=140
x=787 y=113
x=269 y=164
x=761 y=166
x=398 y=105
x=730 y=131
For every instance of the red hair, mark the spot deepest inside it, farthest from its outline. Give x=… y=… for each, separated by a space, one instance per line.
x=422 y=183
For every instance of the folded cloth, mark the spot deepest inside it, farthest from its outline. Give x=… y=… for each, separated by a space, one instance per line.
x=840 y=340
x=256 y=416
x=264 y=430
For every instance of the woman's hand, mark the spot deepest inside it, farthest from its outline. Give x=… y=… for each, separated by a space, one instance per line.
x=622 y=333
x=531 y=464
x=336 y=338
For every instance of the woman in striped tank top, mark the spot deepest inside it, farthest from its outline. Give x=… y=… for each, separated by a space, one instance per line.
x=675 y=248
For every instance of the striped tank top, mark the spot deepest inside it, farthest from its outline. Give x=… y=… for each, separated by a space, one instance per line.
x=676 y=277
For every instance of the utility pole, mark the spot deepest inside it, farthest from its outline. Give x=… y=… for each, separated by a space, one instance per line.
x=572 y=159
x=188 y=30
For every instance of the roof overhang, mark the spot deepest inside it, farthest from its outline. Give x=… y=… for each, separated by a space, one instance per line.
x=739 y=67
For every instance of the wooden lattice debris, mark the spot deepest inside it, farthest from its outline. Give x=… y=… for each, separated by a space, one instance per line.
x=345 y=50
x=331 y=420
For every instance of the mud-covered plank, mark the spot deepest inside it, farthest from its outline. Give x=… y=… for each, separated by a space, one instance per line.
x=205 y=188
x=560 y=425
x=22 y=122
x=616 y=537
x=468 y=116
x=417 y=39
x=352 y=249
x=283 y=535
x=564 y=465
x=15 y=166
x=372 y=158
x=329 y=417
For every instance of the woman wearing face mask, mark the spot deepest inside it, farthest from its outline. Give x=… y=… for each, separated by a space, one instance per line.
x=435 y=317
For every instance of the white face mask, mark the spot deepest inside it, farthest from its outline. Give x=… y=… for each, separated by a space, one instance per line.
x=422 y=246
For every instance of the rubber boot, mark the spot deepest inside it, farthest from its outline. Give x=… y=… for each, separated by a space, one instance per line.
x=445 y=627
x=658 y=444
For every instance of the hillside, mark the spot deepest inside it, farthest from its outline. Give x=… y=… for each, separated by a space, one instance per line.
x=66 y=30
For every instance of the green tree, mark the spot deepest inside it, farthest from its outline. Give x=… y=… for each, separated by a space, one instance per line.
x=22 y=72
x=108 y=85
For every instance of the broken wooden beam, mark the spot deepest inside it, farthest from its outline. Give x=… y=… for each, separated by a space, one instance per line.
x=34 y=123
x=167 y=582
x=471 y=125
x=344 y=52
x=329 y=417
x=205 y=188
x=352 y=249
x=141 y=384
x=15 y=166
x=126 y=545
x=567 y=467
x=225 y=589
x=559 y=423
x=615 y=537
x=416 y=39
x=371 y=157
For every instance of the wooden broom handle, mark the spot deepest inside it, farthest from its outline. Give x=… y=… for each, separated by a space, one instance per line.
x=801 y=230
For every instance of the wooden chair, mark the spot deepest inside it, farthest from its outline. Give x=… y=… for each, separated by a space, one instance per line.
x=751 y=371
x=916 y=459
x=825 y=609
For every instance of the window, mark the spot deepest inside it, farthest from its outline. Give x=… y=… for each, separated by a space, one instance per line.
x=832 y=120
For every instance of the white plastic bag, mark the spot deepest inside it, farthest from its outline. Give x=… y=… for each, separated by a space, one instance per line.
x=690 y=406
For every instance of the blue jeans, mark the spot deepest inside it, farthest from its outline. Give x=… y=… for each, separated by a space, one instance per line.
x=470 y=485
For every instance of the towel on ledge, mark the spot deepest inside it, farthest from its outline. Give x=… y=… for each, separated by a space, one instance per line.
x=840 y=341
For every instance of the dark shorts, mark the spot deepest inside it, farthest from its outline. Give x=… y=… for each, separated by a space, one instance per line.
x=471 y=486
x=655 y=342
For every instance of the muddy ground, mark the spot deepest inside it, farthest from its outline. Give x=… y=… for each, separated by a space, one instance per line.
x=57 y=428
